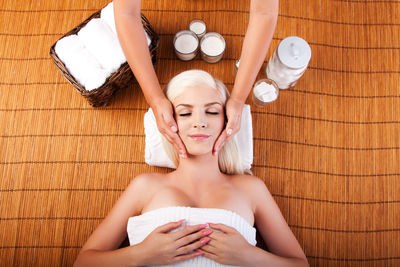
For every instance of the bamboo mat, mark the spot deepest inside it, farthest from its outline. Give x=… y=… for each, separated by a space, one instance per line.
x=328 y=149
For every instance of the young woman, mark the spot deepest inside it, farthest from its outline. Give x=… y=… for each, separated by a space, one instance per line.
x=261 y=27
x=202 y=213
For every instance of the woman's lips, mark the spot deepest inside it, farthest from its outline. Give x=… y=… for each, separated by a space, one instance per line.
x=199 y=137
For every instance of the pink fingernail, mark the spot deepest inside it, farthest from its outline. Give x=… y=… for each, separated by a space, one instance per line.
x=199 y=253
x=207 y=232
x=205 y=240
x=229 y=131
x=173 y=128
x=203 y=226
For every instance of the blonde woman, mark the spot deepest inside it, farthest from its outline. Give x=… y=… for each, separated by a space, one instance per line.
x=202 y=213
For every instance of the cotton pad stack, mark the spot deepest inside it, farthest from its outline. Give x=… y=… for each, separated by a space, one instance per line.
x=94 y=52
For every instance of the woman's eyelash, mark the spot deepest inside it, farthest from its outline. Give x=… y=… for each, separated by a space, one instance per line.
x=189 y=113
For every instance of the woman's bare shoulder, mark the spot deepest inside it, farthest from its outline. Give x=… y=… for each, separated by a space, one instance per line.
x=253 y=186
x=147 y=182
x=248 y=181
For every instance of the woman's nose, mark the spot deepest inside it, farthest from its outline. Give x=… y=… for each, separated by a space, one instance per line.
x=200 y=121
x=200 y=125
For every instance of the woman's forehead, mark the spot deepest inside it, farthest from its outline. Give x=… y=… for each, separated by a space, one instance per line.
x=198 y=95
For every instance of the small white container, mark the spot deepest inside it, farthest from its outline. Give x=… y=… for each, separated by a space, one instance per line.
x=212 y=47
x=265 y=91
x=288 y=62
x=198 y=27
x=186 y=45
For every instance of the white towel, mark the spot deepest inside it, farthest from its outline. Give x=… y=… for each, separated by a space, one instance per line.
x=81 y=64
x=102 y=42
x=107 y=14
x=155 y=154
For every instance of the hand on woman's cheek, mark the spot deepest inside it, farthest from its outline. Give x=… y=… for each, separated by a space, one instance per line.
x=225 y=244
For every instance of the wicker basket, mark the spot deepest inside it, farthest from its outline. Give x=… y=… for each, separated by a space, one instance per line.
x=117 y=80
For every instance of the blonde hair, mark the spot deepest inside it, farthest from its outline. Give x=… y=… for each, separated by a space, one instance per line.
x=229 y=160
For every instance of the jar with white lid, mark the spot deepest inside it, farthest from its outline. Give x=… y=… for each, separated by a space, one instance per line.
x=186 y=45
x=288 y=62
x=198 y=27
x=212 y=47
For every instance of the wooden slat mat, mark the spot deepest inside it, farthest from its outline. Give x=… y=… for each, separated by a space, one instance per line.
x=328 y=149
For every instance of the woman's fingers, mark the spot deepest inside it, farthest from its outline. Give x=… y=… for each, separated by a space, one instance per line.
x=193 y=246
x=223 y=228
x=190 y=238
x=165 y=228
x=189 y=229
x=234 y=115
x=207 y=252
x=189 y=256
x=167 y=126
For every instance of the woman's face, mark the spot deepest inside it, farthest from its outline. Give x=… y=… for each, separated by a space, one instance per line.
x=199 y=113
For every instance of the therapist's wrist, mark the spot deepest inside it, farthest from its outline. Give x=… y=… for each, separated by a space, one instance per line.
x=155 y=100
x=237 y=100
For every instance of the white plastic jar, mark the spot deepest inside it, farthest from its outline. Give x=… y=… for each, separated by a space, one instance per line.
x=288 y=62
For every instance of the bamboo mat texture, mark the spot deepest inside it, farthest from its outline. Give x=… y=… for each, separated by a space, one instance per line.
x=328 y=149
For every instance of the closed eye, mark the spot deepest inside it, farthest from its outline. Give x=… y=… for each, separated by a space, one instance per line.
x=185 y=114
x=212 y=113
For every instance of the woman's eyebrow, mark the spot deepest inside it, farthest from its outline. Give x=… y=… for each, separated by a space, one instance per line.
x=206 y=105
x=213 y=103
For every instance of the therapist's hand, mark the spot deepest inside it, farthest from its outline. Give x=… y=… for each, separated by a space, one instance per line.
x=233 y=109
x=163 y=111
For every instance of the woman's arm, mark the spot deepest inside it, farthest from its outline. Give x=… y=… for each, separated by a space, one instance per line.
x=133 y=42
x=101 y=247
x=262 y=22
x=160 y=247
x=228 y=246
x=261 y=27
x=284 y=249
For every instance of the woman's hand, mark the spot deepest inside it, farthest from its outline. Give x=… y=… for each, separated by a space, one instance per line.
x=166 y=124
x=227 y=246
x=233 y=109
x=163 y=247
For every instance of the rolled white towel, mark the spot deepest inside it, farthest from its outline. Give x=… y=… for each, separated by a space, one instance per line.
x=155 y=154
x=81 y=64
x=102 y=42
x=107 y=14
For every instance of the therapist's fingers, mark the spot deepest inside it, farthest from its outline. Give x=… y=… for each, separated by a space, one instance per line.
x=232 y=127
x=167 y=126
x=170 y=132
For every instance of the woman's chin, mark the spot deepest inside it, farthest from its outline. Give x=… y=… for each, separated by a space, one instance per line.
x=198 y=151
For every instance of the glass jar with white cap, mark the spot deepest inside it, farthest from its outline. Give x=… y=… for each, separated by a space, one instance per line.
x=288 y=62
x=265 y=91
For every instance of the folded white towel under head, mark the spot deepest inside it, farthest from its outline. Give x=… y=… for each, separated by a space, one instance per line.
x=80 y=62
x=155 y=154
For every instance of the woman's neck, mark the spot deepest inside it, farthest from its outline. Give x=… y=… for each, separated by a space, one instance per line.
x=203 y=167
